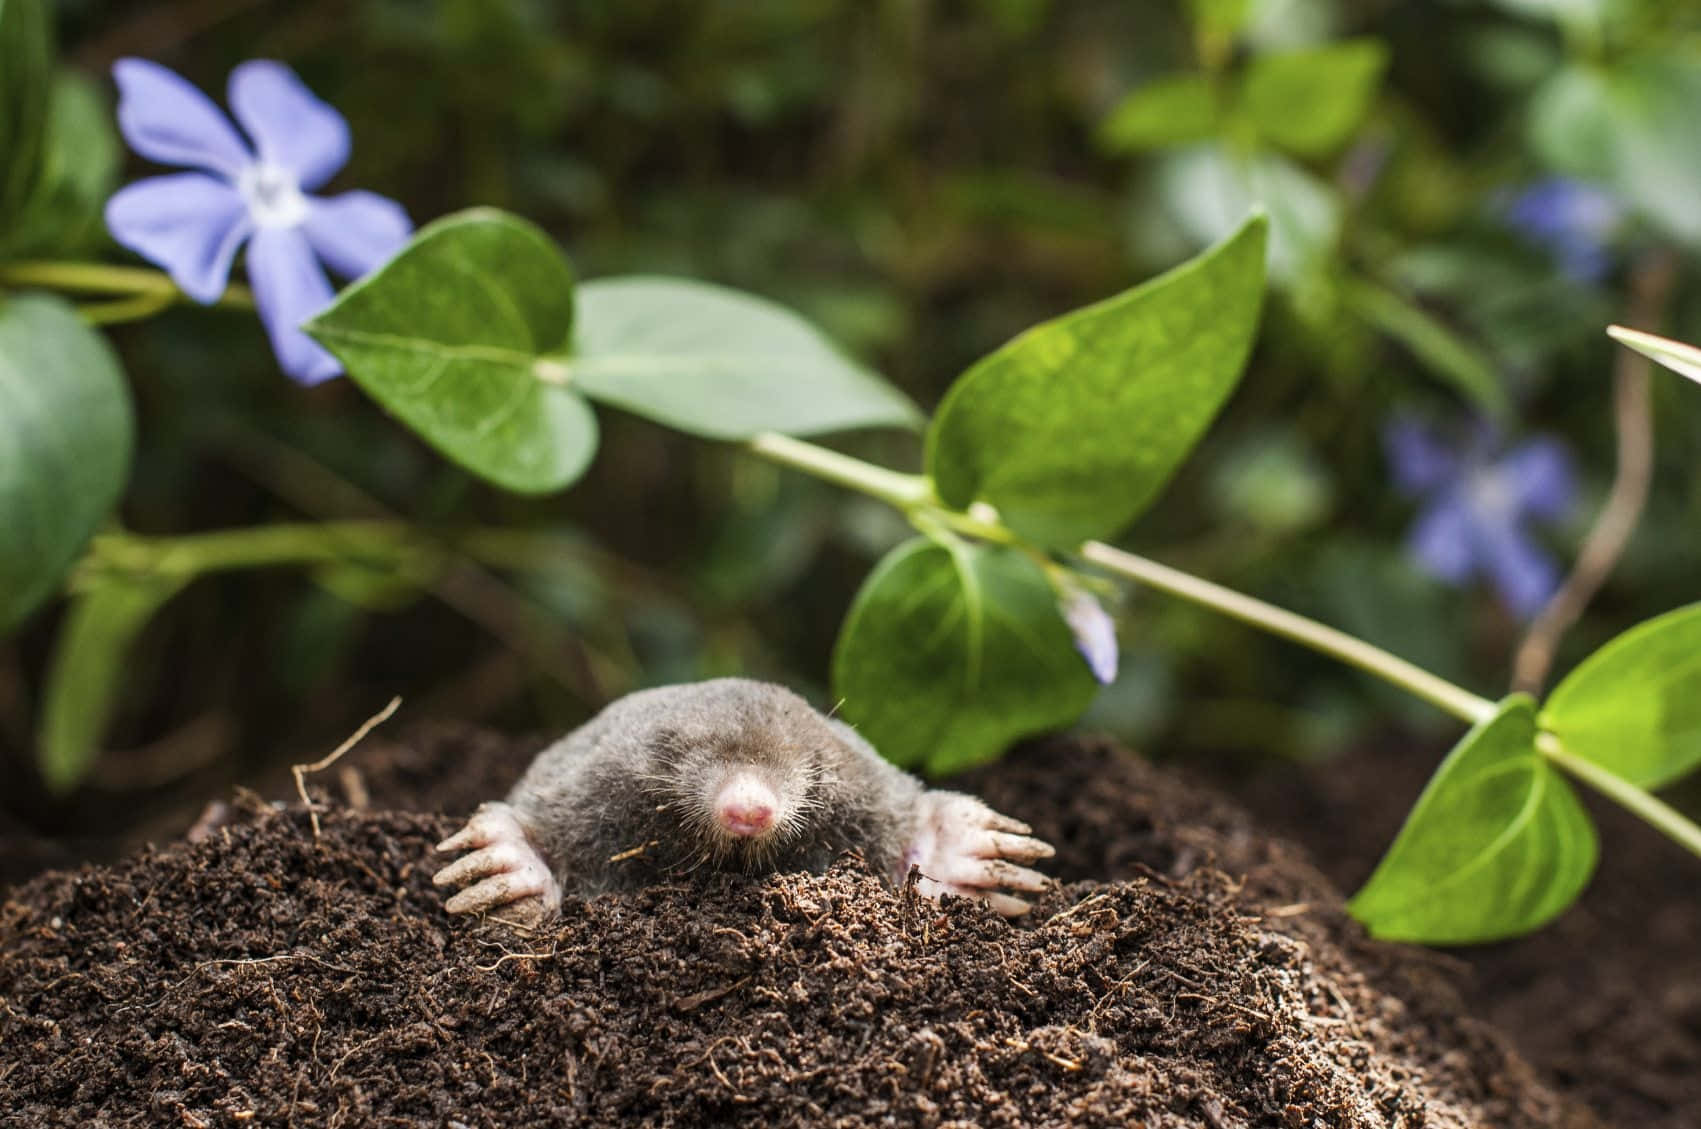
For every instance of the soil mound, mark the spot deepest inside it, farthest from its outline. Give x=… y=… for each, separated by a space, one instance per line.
x=261 y=978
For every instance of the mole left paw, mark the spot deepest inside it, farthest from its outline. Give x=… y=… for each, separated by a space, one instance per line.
x=505 y=871
x=964 y=847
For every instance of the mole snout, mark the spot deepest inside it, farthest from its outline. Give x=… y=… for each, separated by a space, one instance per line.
x=745 y=806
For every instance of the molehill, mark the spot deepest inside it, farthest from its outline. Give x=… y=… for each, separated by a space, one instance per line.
x=1190 y=972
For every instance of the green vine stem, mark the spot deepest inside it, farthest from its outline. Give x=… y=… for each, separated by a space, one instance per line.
x=1353 y=651
x=914 y=495
x=1646 y=806
x=142 y=292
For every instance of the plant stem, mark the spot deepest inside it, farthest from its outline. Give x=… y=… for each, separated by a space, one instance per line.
x=902 y=491
x=290 y=543
x=914 y=495
x=1353 y=651
x=135 y=308
x=99 y=278
x=1650 y=286
x=1645 y=806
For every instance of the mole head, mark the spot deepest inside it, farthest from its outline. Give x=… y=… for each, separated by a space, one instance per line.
x=744 y=769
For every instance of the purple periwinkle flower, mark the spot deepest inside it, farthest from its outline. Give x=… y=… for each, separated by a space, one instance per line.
x=192 y=223
x=1094 y=632
x=1574 y=221
x=1476 y=506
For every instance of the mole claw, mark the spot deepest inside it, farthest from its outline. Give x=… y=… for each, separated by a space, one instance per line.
x=1006 y=905
x=1020 y=847
x=998 y=821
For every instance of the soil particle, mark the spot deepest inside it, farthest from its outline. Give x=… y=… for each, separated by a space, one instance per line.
x=1189 y=973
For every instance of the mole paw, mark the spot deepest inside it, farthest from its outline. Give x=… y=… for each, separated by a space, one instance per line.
x=961 y=846
x=504 y=871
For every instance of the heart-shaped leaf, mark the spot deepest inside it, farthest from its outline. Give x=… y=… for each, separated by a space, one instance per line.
x=949 y=654
x=463 y=337
x=1071 y=429
x=721 y=364
x=1634 y=706
x=1497 y=845
x=65 y=436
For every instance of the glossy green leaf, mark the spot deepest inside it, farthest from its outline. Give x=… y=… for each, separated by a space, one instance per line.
x=1310 y=101
x=1072 y=428
x=1634 y=706
x=78 y=167
x=1497 y=845
x=719 y=363
x=1685 y=360
x=463 y=336
x=949 y=655
x=26 y=76
x=66 y=431
x=1173 y=110
x=86 y=675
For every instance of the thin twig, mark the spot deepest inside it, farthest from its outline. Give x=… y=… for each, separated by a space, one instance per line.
x=1650 y=288
x=300 y=771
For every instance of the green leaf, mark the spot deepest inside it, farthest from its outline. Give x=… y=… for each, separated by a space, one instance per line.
x=1072 y=428
x=1634 y=706
x=462 y=336
x=949 y=654
x=1310 y=101
x=1631 y=127
x=84 y=679
x=26 y=74
x=1497 y=845
x=1685 y=360
x=1208 y=189
x=715 y=362
x=79 y=165
x=65 y=437
x=1173 y=110
x=1441 y=349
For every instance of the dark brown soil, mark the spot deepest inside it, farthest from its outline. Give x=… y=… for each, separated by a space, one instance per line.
x=259 y=977
x=1606 y=1000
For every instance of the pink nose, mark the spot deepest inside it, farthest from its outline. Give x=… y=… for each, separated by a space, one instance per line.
x=745 y=807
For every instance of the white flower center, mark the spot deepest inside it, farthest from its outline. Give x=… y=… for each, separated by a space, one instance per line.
x=1492 y=494
x=273 y=196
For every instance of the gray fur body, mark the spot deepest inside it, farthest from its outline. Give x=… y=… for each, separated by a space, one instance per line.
x=627 y=797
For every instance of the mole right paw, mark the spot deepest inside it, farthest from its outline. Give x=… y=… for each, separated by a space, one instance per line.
x=504 y=872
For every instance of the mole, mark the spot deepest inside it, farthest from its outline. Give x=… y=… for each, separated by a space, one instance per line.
x=727 y=775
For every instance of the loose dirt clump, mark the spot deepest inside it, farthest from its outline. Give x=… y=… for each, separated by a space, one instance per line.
x=261 y=978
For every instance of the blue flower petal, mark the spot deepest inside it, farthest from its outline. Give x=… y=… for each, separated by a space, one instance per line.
x=1442 y=541
x=356 y=232
x=290 y=287
x=1095 y=634
x=1539 y=471
x=291 y=127
x=1420 y=463
x=166 y=119
x=1525 y=576
x=189 y=223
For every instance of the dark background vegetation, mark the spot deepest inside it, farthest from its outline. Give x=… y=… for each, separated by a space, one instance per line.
x=923 y=180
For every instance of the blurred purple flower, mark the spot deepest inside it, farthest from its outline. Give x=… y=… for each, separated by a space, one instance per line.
x=192 y=223
x=1094 y=631
x=1476 y=506
x=1574 y=221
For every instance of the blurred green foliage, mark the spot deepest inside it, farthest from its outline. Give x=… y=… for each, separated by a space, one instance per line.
x=922 y=180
